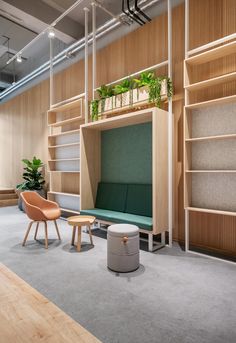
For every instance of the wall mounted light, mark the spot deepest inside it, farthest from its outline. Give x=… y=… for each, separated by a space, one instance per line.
x=51 y=33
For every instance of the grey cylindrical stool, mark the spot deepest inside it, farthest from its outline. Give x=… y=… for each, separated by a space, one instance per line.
x=123 y=248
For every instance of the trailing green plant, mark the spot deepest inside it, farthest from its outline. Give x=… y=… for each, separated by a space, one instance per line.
x=94 y=106
x=154 y=89
x=32 y=175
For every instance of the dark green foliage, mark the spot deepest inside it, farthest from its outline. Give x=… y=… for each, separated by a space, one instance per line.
x=32 y=176
x=94 y=104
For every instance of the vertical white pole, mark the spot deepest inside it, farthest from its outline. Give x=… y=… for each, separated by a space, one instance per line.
x=163 y=238
x=94 y=49
x=186 y=28
x=186 y=230
x=186 y=102
x=170 y=129
x=51 y=97
x=51 y=72
x=150 y=242
x=86 y=10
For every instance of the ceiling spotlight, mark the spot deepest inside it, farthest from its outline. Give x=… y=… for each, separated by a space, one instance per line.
x=51 y=33
x=19 y=58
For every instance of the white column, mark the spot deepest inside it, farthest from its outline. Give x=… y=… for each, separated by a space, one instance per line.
x=150 y=242
x=186 y=28
x=170 y=129
x=51 y=95
x=94 y=50
x=86 y=109
x=186 y=230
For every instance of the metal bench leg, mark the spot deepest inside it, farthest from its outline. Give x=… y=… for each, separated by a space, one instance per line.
x=163 y=238
x=150 y=242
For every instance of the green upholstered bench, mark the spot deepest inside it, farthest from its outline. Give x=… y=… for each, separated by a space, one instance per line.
x=123 y=203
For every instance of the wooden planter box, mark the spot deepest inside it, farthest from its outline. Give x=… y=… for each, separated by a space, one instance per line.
x=130 y=99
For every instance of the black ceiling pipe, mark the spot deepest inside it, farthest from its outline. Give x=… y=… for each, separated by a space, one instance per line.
x=128 y=14
x=134 y=14
x=138 y=9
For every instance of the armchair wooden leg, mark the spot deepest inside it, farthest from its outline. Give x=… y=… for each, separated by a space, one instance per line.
x=58 y=233
x=27 y=233
x=90 y=234
x=46 y=235
x=73 y=235
x=36 y=231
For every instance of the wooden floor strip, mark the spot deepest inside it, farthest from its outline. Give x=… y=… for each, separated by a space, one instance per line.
x=26 y=316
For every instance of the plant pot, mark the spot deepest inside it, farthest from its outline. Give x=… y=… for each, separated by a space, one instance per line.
x=117 y=101
x=164 y=88
x=125 y=100
x=108 y=104
x=20 y=201
x=142 y=94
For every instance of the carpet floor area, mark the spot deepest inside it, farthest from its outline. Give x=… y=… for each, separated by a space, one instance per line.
x=173 y=298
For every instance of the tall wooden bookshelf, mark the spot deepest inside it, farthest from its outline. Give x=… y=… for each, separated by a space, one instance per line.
x=209 y=139
x=64 y=121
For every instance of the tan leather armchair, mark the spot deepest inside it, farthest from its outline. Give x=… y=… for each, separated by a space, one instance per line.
x=39 y=210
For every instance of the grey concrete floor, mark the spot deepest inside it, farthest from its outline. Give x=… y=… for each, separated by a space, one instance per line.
x=173 y=297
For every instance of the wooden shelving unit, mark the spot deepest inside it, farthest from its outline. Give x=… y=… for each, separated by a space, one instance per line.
x=91 y=160
x=64 y=154
x=209 y=138
x=209 y=142
x=211 y=82
x=213 y=54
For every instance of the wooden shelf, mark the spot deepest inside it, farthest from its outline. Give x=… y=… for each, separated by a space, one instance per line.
x=208 y=210
x=65 y=194
x=63 y=145
x=209 y=138
x=66 y=121
x=64 y=133
x=213 y=54
x=211 y=171
x=211 y=82
x=133 y=118
x=213 y=102
x=67 y=106
x=65 y=159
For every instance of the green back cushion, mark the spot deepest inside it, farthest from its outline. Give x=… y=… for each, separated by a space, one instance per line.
x=139 y=199
x=111 y=196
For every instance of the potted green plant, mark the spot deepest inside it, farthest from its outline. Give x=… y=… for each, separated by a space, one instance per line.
x=132 y=92
x=123 y=93
x=33 y=178
x=105 y=94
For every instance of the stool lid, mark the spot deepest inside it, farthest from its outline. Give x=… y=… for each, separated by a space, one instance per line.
x=120 y=230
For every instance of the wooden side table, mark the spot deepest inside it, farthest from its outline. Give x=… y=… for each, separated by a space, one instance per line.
x=77 y=222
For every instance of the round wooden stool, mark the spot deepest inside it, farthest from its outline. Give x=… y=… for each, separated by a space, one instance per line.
x=77 y=222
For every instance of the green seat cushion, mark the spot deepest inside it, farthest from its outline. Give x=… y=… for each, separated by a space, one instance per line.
x=142 y=222
x=139 y=199
x=111 y=196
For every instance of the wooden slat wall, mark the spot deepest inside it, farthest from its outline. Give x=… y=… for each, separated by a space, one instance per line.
x=210 y=19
